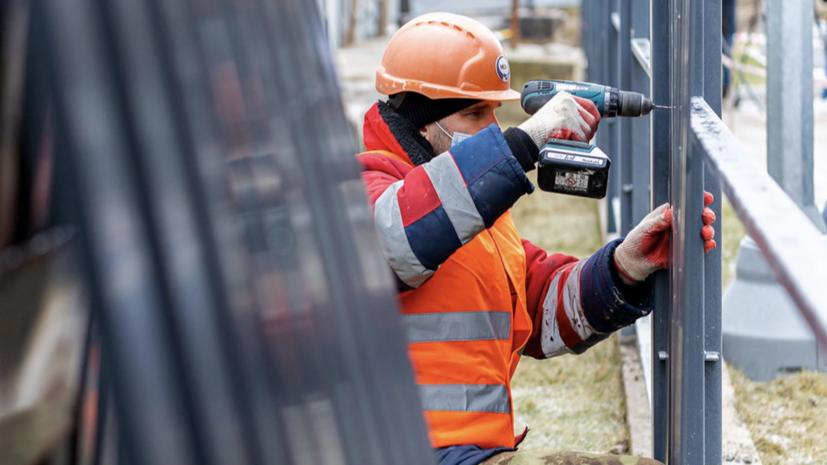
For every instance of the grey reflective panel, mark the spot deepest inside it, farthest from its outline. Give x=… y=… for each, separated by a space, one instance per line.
x=458 y=326
x=491 y=398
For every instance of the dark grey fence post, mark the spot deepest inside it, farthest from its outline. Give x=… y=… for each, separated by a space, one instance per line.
x=623 y=48
x=661 y=25
x=640 y=146
x=686 y=344
x=790 y=101
x=608 y=137
x=712 y=93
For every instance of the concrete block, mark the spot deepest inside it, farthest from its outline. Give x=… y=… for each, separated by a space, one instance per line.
x=764 y=335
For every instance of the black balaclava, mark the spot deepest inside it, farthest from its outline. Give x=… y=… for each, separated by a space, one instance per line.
x=421 y=110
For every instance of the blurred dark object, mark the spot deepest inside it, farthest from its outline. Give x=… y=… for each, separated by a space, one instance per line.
x=536 y=28
x=535 y=25
x=728 y=26
x=188 y=265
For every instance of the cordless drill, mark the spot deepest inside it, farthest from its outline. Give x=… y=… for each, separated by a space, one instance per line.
x=579 y=168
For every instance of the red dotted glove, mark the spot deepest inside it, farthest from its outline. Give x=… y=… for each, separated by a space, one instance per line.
x=646 y=248
x=563 y=117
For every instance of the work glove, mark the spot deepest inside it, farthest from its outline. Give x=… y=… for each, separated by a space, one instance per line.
x=563 y=117
x=646 y=248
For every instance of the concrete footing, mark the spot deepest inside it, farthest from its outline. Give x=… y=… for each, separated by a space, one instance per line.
x=764 y=335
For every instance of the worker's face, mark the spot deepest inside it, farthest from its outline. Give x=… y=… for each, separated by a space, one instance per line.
x=468 y=121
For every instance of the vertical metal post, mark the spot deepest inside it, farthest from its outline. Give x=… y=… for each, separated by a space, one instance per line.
x=623 y=48
x=712 y=93
x=790 y=101
x=594 y=33
x=660 y=140
x=639 y=127
x=608 y=139
x=687 y=441
x=587 y=36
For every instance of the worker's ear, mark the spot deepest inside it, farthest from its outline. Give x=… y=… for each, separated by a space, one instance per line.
x=423 y=131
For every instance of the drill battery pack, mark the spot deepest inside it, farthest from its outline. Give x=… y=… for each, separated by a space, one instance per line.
x=573 y=168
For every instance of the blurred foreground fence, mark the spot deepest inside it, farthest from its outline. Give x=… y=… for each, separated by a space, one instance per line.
x=236 y=310
x=671 y=50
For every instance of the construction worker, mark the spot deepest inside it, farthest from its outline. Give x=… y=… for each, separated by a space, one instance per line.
x=441 y=176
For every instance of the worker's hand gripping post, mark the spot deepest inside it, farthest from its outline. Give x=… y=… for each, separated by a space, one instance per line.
x=579 y=168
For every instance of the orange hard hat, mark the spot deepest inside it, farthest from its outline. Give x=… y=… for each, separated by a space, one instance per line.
x=443 y=55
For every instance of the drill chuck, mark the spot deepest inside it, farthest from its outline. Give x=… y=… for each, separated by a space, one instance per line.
x=632 y=104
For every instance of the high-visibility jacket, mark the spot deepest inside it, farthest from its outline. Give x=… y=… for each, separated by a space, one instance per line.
x=474 y=297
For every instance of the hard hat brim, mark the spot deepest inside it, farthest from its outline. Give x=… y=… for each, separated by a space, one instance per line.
x=388 y=85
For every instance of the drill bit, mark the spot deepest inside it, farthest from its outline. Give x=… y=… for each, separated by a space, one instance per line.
x=663 y=107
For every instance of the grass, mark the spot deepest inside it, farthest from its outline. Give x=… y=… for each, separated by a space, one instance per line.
x=786 y=416
x=570 y=402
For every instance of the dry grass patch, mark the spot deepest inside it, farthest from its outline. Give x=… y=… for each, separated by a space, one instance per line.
x=786 y=417
x=571 y=402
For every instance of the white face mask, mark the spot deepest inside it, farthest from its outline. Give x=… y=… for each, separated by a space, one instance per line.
x=456 y=138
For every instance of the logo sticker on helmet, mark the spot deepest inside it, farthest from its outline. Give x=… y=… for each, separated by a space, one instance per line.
x=503 y=70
